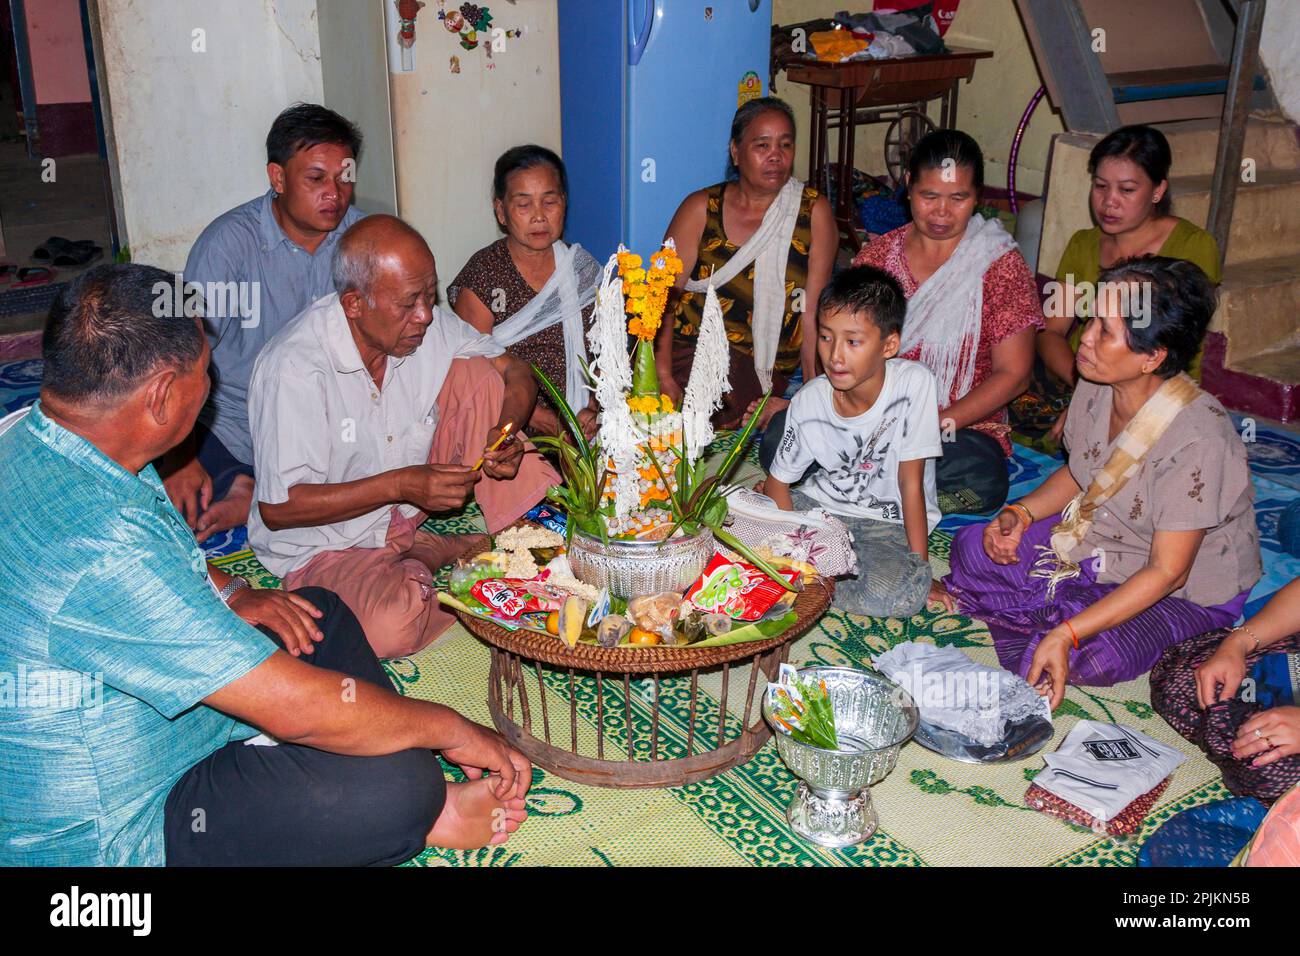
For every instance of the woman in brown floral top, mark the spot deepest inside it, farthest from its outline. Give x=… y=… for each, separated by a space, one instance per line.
x=530 y=195
x=1158 y=541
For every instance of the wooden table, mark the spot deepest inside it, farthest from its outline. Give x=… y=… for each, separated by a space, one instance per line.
x=846 y=95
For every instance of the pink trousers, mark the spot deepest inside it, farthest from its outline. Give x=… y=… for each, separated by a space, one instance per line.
x=390 y=589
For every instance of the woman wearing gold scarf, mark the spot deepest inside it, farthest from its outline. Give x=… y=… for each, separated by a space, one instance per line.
x=1147 y=537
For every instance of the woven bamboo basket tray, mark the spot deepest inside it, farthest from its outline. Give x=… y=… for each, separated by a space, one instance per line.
x=535 y=677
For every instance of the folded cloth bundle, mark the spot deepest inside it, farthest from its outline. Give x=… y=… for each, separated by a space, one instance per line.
x=836 y=45
x=815 y=537
x=955 y=693
x=1104 y=776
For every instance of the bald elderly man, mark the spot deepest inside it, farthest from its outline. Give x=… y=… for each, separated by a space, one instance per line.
x=368 y=412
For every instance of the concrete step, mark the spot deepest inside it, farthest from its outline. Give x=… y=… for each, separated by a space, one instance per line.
x=1265 y=219
x=1270 y=141
x=1259 y=306
x=1267 y=384
x=1278 y=365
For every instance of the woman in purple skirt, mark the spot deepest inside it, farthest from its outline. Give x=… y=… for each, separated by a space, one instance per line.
x=1147 y=536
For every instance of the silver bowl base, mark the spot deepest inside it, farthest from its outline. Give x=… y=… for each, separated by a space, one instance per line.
x=832 y=821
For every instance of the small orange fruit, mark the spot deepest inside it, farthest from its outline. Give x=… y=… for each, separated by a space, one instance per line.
x=553 y=623
x=643 y=638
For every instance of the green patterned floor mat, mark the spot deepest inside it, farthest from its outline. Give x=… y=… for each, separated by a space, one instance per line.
x=932 y=811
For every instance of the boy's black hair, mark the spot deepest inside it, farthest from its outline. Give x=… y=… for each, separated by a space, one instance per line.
x=866 y=290
x=1182 y=304
x=305 y=125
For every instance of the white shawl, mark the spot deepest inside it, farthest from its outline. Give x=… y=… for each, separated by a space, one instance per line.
x=569 y=290
x=768 y=248
x=943 y=317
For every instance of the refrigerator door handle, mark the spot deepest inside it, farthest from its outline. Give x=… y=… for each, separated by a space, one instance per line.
x=638 y=44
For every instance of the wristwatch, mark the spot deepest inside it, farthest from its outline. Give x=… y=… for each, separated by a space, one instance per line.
x=233 y=585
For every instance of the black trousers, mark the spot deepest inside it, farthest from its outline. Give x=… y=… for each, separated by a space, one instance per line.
x=971 y=477
x=222 y=467
x=291 y=805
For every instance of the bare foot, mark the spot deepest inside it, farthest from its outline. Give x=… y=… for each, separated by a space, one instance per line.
x=473 y=817
x=435 y=550
x=230 y=512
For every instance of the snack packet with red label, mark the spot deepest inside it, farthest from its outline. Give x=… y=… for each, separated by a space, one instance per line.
x=511 y=598
x=737 y=589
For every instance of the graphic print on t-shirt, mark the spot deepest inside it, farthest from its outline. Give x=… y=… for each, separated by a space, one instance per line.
x=855 y=461
x=862 y=461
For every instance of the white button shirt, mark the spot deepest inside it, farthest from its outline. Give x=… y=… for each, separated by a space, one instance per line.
x=318 y=418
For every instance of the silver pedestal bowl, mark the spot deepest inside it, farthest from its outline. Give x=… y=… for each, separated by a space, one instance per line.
x=633 y=568
x=874 y=717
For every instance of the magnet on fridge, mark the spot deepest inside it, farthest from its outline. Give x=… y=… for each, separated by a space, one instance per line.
x=454 y=21
x=455 y=64
x=751 y=88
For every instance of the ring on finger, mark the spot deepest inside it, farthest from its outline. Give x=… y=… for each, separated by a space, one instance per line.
x=1259 y=734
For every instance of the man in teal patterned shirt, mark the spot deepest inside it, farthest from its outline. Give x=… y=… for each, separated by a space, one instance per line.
x=142 y=756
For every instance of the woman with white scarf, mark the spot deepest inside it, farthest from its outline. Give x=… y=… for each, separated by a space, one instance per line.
x=972 y=314
x=530 y=290
x=766 y=243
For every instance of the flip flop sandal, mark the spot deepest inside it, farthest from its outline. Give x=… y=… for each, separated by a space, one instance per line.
x=79 y=254
x=51 y=247
x=29 y=276
x=7 y=270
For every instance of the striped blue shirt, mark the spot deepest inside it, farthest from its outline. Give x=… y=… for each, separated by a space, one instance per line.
x=110 y=638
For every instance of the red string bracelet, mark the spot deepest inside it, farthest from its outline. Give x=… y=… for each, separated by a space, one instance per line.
x=1073 y=633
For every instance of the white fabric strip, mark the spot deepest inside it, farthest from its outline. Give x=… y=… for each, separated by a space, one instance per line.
x=769 y=249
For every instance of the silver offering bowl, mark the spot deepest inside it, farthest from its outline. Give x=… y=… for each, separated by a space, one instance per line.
x=633 y=568
x=874 y=717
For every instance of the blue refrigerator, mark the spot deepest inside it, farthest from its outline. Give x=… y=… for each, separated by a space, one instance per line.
x=649 y=88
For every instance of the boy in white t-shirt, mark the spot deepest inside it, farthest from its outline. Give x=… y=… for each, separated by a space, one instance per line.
x=860 y=441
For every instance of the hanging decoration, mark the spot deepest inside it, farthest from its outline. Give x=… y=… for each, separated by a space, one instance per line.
x=407 y=11
x=473 y=24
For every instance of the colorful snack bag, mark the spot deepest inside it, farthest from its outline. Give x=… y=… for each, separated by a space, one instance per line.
x=510 y=598
x=737 y=589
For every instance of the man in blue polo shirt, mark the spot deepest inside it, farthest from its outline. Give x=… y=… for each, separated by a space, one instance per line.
x=255 y=267
x=140 y=758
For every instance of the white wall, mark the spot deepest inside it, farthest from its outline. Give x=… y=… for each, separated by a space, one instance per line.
x=189 y=128
x=449 y=129
x=1279 y=48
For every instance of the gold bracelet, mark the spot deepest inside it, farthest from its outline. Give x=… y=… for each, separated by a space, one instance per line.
x=1028 y=516
x=1243 y=627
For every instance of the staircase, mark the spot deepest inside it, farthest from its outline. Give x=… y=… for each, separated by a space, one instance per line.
x=1252 y=360
x=1252 y=356
x=1217 y=112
